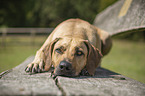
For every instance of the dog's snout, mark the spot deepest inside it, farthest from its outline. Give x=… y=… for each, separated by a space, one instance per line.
x=65 y=66
x=65 y=69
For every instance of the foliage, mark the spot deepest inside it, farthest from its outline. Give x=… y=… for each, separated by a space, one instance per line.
x=13 y=12
x=44 y=13
x=49 y=13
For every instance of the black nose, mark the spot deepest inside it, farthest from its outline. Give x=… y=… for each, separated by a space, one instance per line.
x=65 y=66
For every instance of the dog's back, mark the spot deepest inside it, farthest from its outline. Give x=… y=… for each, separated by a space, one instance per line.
x=77 y=28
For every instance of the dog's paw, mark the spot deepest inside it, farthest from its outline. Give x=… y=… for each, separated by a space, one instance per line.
x=35 y=67
x=84 y=72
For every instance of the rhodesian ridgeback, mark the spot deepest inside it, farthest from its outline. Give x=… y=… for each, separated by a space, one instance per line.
x=74 y=46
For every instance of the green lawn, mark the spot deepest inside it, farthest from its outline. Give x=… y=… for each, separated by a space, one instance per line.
x=126 y=57
x=17 y=49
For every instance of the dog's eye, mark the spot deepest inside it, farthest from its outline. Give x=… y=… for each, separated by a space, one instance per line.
x=58 y=50
x=79 y=53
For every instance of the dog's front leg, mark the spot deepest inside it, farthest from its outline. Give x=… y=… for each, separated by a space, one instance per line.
x=38 y=63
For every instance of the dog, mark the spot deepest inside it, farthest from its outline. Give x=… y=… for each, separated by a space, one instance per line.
x=74 y=46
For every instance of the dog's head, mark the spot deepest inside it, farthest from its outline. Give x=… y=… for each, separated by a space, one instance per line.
x=70 y=56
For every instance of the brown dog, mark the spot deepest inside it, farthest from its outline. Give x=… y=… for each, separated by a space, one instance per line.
x=74 y=45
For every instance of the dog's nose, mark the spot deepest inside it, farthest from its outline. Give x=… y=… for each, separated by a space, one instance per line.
x=65 y=66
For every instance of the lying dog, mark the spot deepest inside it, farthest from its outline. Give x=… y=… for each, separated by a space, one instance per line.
x=73 y=46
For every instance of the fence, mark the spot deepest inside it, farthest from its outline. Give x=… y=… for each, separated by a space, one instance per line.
x=4 y=32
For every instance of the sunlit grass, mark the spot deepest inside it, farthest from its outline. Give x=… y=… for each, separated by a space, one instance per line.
x=17 y=49
x=126 y=57
x=14 y=55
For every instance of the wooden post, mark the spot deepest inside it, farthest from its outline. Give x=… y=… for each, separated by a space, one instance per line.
x=33 y=37
x=4 y=33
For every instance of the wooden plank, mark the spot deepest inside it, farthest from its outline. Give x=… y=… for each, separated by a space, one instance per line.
x=104 y=83
x=17 y=82
x=123 y=16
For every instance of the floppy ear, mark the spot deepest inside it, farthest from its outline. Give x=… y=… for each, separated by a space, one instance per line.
x=48 y=54
x=93 y=58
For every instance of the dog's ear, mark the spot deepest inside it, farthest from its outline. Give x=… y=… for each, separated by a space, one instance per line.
x=93 y=58
x=48 y=54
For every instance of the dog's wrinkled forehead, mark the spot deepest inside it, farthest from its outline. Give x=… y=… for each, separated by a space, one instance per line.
x=64 y=41
x=71 y=44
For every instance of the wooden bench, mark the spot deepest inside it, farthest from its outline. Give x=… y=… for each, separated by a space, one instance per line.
x=123 y=16
x=105 y=83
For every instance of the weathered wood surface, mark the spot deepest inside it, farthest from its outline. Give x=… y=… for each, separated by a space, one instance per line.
x=104 y=83
x=17 y=82
x=123 y=16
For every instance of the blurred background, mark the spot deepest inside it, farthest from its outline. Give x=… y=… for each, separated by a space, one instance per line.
x=127 y=56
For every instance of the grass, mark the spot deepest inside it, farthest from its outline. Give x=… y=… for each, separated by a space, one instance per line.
x=126 y=57
x=14 y=55
x=17 y=49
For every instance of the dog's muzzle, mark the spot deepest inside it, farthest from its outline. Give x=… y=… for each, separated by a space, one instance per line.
x=65 y=69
